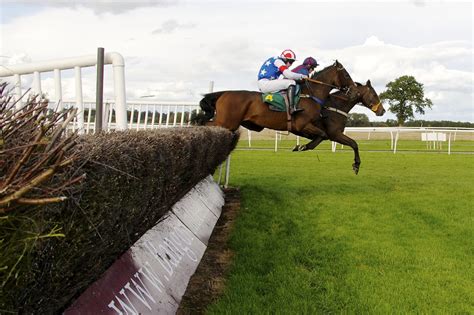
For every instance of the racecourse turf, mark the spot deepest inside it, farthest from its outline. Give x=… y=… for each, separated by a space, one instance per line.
x=312 y=237
x=460 y=146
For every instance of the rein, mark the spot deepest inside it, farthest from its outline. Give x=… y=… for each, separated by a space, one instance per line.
x=317 y=100
x=323 y=83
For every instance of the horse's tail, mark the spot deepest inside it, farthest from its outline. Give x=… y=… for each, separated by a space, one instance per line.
x=208 y=105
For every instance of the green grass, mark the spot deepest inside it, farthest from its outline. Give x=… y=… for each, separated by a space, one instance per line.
x=366 y=145
x=312 y=237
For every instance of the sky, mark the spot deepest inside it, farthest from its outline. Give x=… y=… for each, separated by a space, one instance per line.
x=173 y=49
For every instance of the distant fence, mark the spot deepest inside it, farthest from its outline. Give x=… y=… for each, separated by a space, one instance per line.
x=433 y=136
x=140 y=115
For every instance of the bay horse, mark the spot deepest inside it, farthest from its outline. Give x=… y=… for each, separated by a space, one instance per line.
x=231 y=109
x=334 y=117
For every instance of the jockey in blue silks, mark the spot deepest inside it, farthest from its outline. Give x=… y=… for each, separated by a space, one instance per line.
x=309 y=64
x=275 y=75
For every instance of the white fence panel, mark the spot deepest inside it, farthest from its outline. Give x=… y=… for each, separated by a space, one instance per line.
x=76 y=63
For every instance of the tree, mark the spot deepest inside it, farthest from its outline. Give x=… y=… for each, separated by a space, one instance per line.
x=358 y=120
x=404 y=95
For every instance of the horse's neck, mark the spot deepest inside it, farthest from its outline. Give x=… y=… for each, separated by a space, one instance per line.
x=337 y=99
x=320 y=90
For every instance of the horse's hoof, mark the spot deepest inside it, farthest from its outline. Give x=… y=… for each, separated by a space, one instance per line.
x=355 y=168
x=296 y=148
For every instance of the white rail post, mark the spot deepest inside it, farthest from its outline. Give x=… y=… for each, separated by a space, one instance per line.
x=395 y=143
x=449 y=144
x=37 y=83
x=79 y=101
x=168 y=113
x=58 y=92
x=17 y=79
x=276 y=141
x=175 y=116
x=132 y=111
x=118 y=65
x=109 y=115
x=146 y=116
x=227 y=172
x=391 y=140
x=153 y=116
x=161 y=116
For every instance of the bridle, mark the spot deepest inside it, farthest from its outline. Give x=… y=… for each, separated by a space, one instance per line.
x=346 y=90
x=374 y=107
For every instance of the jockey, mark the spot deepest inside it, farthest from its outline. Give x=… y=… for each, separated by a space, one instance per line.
x=309 y=64
x=275 y=76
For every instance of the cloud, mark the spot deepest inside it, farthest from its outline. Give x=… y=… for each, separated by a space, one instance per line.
x=451 y=90
x=170 y=26
x=99 y=6
x=172 y=52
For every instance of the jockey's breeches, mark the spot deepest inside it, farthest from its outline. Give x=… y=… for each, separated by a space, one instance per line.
x=272 y=86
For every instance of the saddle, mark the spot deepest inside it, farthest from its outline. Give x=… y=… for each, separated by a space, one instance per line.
x=276 y=101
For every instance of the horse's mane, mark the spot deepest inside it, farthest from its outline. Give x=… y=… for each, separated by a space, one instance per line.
x=318 y=73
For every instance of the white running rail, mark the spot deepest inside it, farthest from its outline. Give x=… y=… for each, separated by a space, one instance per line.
x=141 y=114
x=440 y=134
x=75 y=63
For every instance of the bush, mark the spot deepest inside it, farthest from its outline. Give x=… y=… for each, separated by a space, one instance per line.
x=50 y=253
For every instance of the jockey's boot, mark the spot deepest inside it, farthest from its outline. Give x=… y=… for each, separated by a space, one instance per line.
x=291 y=100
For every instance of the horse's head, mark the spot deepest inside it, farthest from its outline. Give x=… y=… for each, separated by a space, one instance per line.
x=343 y=80
x=370 y=98
x=338 y=76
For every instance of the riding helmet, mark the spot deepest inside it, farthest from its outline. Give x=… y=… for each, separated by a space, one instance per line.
x=288 y=54
x=310 y=61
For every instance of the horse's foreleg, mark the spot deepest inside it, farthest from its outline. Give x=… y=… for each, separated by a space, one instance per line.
x=310 y=145
x=313 y=144
x=343 y=139
x=315 y=134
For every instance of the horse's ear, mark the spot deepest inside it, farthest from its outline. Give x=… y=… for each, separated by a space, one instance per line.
x=368 y=83
x=336 y=63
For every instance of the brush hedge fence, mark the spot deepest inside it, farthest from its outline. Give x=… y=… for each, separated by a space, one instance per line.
x=51 y=253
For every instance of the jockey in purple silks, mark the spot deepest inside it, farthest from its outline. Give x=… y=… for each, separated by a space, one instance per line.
x=309 y=64
x=275 y=75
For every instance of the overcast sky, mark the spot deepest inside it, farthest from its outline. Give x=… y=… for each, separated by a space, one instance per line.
x=173 y=49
